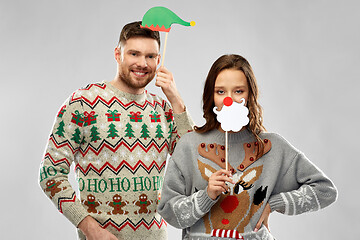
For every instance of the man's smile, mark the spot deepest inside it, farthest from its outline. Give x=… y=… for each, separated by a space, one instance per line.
x=138 y=73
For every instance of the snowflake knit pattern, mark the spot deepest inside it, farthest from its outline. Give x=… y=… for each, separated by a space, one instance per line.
x=119 y=144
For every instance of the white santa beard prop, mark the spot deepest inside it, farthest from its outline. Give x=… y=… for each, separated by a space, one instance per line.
x=232 y=117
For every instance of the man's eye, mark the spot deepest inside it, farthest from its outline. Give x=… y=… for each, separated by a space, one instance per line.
x=153 y=56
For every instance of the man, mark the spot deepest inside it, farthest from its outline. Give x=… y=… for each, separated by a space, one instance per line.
x=118 y=136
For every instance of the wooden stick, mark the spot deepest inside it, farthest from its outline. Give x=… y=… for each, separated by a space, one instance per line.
x=226 y=151
x=163 y=57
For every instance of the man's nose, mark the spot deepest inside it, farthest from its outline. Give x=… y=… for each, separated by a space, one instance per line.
x=142 y=62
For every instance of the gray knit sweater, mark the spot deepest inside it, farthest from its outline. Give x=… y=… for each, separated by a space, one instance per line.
x=282 y=176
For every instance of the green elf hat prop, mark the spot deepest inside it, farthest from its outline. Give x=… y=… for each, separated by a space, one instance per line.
x=161 y=18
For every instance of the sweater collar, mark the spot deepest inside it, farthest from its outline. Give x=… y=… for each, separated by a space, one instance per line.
x=128 y=96
x=234 y=137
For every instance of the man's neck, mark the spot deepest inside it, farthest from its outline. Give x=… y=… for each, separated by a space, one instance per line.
x=119 y=84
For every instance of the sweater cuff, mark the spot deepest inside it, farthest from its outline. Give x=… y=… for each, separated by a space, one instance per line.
x=277 y=203
x=76 y=215
x=204 y=202
x=183 y=122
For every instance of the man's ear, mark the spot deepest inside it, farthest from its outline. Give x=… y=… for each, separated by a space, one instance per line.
x=158 y=60
x=117 y=54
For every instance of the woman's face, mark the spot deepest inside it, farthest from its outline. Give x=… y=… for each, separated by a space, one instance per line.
x=230 y=83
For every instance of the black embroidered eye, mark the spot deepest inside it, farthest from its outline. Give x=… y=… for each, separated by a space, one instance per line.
x=236 y=189
x=244 y=185
x=247 y=186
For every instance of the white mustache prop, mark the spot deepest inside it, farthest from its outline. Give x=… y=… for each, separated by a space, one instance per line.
x=233 y=115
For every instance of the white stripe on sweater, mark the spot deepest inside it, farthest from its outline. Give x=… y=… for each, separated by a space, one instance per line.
x=286 y=203
x=294 y=204
x=316 y=198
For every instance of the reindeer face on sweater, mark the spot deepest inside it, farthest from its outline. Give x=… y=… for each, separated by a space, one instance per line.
x=236 y=207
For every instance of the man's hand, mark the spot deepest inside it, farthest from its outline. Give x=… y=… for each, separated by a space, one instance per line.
x=217 y=183
x=264 y=218
x=92 y=230
x=165 y=80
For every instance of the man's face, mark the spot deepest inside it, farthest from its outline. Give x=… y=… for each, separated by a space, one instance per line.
x=137 y=62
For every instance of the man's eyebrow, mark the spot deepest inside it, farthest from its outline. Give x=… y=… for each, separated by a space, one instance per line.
x=136 y=51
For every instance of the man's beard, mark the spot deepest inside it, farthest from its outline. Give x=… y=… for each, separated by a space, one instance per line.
x=133 y=83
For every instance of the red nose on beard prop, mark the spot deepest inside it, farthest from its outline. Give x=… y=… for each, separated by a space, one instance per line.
x=228 y=101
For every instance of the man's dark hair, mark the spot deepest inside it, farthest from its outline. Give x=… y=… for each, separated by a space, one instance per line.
x=132 y=30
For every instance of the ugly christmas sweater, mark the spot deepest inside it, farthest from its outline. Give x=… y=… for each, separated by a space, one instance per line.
x=282 y=177
x=119 y=144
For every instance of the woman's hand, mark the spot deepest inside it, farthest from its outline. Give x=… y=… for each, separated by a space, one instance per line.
x=217 y=183
x=264 y=218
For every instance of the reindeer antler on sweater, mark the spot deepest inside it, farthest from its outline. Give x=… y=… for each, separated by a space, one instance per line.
x=251 y=152
x=215 y=153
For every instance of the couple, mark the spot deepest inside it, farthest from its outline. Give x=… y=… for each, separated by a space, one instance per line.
x=118 y=136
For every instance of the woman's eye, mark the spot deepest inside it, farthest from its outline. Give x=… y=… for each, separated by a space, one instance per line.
x=220 y=92
x=238 y=91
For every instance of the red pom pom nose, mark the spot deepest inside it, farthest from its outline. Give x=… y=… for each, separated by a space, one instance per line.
x=228 y=101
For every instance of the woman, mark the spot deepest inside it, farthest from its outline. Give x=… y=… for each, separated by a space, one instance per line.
x=266 y=173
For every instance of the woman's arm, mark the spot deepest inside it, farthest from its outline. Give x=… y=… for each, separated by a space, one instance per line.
x=315 y=190
x=178 y=209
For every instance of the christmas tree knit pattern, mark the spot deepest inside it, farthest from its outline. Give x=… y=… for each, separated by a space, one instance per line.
x=119 y=143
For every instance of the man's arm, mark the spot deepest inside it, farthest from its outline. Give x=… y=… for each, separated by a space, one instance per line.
x=182 y=120
x=64 y=142
x=165 y=80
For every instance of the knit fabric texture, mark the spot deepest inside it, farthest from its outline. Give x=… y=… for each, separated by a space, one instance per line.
x=282 y=177
x=119 y=143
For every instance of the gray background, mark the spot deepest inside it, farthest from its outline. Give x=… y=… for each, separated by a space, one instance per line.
x=305 y=55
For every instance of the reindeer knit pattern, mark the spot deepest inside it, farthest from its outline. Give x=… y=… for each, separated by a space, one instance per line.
x=282 y=177
x=119 y=144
